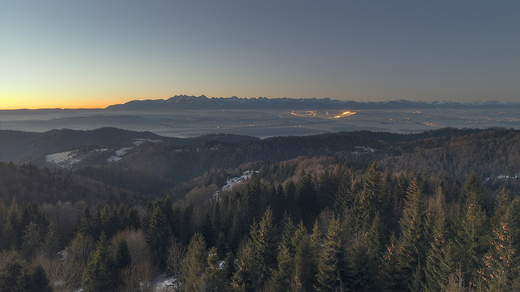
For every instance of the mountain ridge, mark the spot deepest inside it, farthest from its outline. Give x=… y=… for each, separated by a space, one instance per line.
x=234 y=102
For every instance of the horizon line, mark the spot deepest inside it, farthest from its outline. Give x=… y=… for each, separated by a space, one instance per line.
x=272 y=98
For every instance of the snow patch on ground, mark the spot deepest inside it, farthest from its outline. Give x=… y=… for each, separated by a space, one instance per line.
x=159 y=284
x=98 y=150
x=231 y=182
x=62 y=159
x=140 y=141
x=119 y=153
x=503 y=176
x=163 y=283
x=123 y=150
x=363 y=149
x=114 y=158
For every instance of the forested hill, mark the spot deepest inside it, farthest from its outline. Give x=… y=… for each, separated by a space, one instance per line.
x=448 y=151
x=358 y=211
x=23 y=147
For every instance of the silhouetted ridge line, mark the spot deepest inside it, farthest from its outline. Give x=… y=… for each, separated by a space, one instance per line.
x=203 y=102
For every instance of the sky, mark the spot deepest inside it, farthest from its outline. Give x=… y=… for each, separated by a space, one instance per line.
x=90 y=54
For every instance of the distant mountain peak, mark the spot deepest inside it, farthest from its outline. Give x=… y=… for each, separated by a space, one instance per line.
x=234 y=102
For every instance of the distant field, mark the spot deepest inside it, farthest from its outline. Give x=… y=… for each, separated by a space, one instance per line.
x=260 y=122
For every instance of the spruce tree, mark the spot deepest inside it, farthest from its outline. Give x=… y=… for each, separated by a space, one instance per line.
x=213 y=279
x=158 y=237
x=84 y=225
x=373 y=198
x=194 y=265
x=9 y=275
x=34 y=280
x=243 y=278
x=364 y=259
x=412 y=251
x=440 y=262
x=344 y=198
x=207 y=230
x=31 y=240
x=11 y=232
x=332 y=258
x=280 y=280
x=501 y=262
x=265 y=247
x=100 y=272
x=123 y=256
x=258 y=256
x=473 y=235
x=51 y=244
x=307 y=201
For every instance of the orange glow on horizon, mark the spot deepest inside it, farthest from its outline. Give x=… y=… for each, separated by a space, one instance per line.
x=58 y=103
x=44 y=105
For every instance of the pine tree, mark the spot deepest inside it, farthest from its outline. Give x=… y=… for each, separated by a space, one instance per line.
x=412 y=251
x=364 y=259
x=242 y=279
x=305 y=262
x=327 y=188
x=95 y=277
x=100 y=272
x=84 y=225
x=390 y=276
x=95 y=225
x=34 y=280
x=290 y=200
x=158 y=237
x=258 y=256
x=194 y=265
x=186 y=229
x=214 y=277
x=3 y=216
x=265 y=247
x=123 y=256
x=279 y=204
x=12 y=232
x=216 y=219
x=332 y=259
x=306 y=199
x=440 y=262
x=373 y=197
x=207 y=230
x=280 y=280
x=78 y=255
x=501 y=262
x=31 y=240
x=132 y=218
x=473 y=237
x=9 y=275
x=288 y=232
x=106 y=221
x=344 y=198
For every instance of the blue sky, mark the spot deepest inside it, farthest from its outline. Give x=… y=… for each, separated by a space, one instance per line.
x=95 y=53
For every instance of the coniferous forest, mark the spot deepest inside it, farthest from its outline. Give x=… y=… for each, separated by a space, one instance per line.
x=437 y=211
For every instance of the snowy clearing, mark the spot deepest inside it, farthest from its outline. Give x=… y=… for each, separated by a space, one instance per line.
x=140 y=141
x=231 y=182
x=122 y=151
x=62 y=159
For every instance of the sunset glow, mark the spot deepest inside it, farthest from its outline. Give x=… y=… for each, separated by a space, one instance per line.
x=84 y=54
